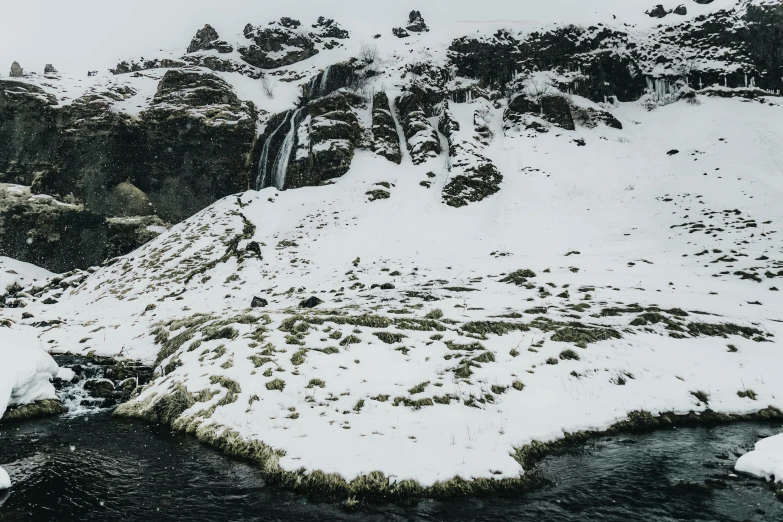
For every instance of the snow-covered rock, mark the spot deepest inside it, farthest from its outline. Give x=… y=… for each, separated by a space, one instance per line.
x=26 y=370
x=765 y=461
x=5 y=480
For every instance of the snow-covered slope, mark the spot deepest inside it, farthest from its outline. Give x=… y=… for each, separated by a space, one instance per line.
x=538 y=264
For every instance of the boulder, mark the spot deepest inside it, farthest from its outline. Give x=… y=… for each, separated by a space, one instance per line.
x=680 y=10
x=16 y=70
x=49 y=69
x=399 y=32
x=556 y=109
x=657 y=12
x=416 y=23
x=310 y=302
x=99 y=388
x=259 y=302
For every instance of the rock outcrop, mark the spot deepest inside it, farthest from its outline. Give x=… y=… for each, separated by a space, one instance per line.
x=207 y=39
x=16 y=70
x=386 y=140
x=416 y=23
x=473 y=177
x=311 y=144
x=280 y=43
x=60 y=237
x=422 y=139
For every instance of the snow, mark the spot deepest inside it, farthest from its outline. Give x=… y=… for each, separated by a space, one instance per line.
x=765 y=461
x=666 y=232
x=614 y=200
x=18 y=272
x=5 y=480
x=26 y=370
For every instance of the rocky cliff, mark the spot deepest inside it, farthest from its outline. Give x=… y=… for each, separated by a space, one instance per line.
x=168 y=135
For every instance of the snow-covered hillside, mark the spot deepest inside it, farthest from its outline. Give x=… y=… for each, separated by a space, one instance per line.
x=533 y=259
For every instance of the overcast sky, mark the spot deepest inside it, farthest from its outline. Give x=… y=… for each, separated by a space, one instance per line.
x=76 y=35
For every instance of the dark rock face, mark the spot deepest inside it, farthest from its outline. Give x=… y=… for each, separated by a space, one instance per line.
x=310 y=302
x=328 y=28
x=309 y=145
x=60 y=237
x=279 y=37
x=259 y=302
x=326 y=140
x=28 y=125
x=422 y=139
x=596 y=59
x=657 y=12
x=16 y=70
x=473 y=176
x=555 y=109
x=386 y=141
x=190 y=147
x=416 y=23
x=332 y=78
x=198 y=137
x=207 y=39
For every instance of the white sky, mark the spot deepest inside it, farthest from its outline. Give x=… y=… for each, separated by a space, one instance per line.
x=77 y=35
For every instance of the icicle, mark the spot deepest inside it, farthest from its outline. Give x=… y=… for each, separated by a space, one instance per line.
x=284 y=154
x=262 y=164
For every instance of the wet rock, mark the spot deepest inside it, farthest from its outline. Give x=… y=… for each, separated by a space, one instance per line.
x=416 y=23
x=259 y=302
x=16 y=70
x=207 y=39
x=310 y=302
x=327 y=133
x=386 y=141
x=42 y=408
x=100 y=388
x=127 y=385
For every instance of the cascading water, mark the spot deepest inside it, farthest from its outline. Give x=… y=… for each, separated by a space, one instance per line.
x=284 y=154
x=324 y=80
x=263 y=169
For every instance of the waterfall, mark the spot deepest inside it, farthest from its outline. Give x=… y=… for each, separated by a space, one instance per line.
x=324 y=80
x=284 y=154
x=262 y=164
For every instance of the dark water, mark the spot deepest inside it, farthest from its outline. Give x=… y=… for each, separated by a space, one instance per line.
x=98 y=468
